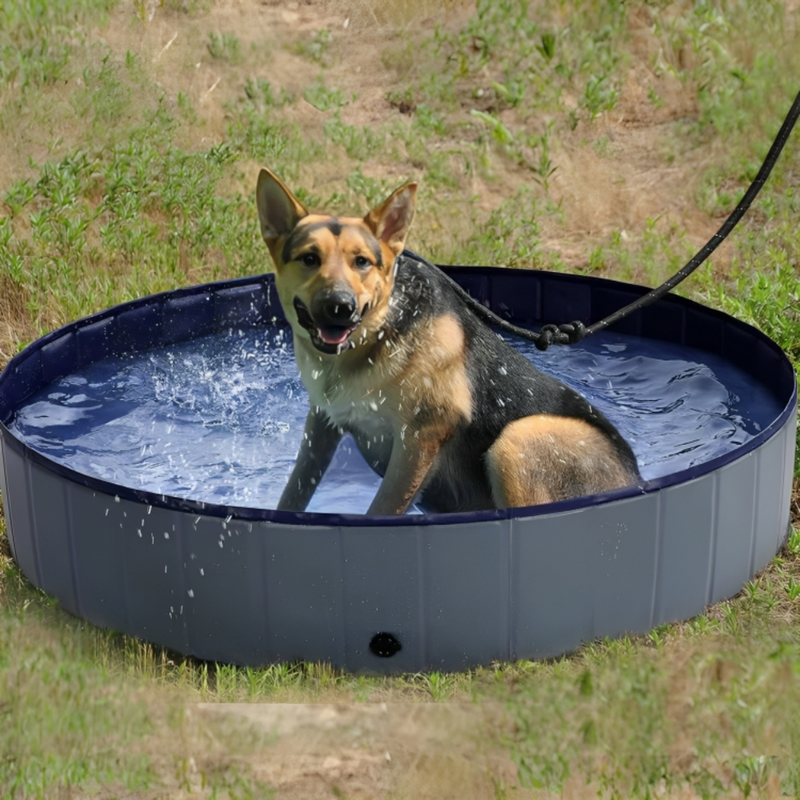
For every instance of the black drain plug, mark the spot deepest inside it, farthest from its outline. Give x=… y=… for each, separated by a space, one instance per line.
x=384 y=645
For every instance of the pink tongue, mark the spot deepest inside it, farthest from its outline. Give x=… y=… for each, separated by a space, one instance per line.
x=333 y=335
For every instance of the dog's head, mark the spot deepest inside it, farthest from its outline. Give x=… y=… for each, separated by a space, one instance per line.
x=334 y=274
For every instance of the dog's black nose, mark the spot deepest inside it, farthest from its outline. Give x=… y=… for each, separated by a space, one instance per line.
x=336 y=307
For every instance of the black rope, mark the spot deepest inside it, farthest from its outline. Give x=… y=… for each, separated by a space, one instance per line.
x=573 y=332
x=570 y=333
x=716 y=240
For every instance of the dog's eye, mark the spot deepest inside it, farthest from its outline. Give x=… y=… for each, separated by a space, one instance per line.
x=362 y=262
x=310 y=260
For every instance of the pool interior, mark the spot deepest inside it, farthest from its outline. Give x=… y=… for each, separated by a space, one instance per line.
x=218 y=418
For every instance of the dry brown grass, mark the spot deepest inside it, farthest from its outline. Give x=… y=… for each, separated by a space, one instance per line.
x=16 y=324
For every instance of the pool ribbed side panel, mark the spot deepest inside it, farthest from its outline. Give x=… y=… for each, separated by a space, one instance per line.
x=97 y=524
x=790 y=431
x=466 y=580
x=303 y=579
x=18 y=500
x=4 y=490
x=224 y=590
x=685 y=552
x=4 y=497
x=150 y=549
x=383 y=590
x=734 y=524
x=54 y=536
x=772 y=495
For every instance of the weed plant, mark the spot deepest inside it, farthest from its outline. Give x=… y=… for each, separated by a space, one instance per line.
x=116 y=185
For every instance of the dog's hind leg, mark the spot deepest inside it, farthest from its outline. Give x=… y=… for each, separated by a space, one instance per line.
x=543 y=459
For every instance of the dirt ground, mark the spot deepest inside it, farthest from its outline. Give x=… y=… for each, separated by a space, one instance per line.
x=376 y=750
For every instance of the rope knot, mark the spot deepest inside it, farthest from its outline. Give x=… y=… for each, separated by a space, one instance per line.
x=568 y=333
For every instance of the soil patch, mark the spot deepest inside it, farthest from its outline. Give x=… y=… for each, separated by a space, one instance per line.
x=414 y=750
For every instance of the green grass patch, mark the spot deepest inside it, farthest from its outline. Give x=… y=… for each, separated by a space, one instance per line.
x=65 y=723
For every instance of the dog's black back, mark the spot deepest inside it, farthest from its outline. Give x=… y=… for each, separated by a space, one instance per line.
x=505 y=386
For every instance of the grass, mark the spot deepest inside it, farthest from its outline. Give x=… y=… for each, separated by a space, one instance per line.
x=129 y=170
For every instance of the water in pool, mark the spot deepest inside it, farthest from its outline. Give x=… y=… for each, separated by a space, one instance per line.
x=219 y=419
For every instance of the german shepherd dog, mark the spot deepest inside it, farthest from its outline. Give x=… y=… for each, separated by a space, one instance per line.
x=439 y=406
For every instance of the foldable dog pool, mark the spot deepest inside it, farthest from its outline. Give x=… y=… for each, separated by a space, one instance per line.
x=122 y=533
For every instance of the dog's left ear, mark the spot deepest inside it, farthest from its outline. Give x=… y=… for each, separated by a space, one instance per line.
x=391 y=220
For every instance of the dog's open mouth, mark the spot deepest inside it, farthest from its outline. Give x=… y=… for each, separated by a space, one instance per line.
x=327 y=338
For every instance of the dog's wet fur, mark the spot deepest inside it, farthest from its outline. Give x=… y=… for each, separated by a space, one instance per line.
x=443 y=409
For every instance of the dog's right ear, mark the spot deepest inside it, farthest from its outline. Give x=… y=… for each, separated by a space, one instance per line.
x=391 y=220
x=278 y=210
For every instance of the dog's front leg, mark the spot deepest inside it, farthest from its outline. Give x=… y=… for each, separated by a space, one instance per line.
x=408 y=466
x=320 y=438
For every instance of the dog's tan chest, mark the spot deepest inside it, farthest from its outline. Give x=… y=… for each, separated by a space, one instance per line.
x=411 y=386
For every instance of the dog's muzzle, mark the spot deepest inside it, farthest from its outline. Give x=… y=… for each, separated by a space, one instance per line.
x=331 y=320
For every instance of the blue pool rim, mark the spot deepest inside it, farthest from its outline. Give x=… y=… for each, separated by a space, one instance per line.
x=25 y=373
x=414 y=593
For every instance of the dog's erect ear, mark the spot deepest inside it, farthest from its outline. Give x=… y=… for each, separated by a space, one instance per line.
x=278 y=209
x=391 y=220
